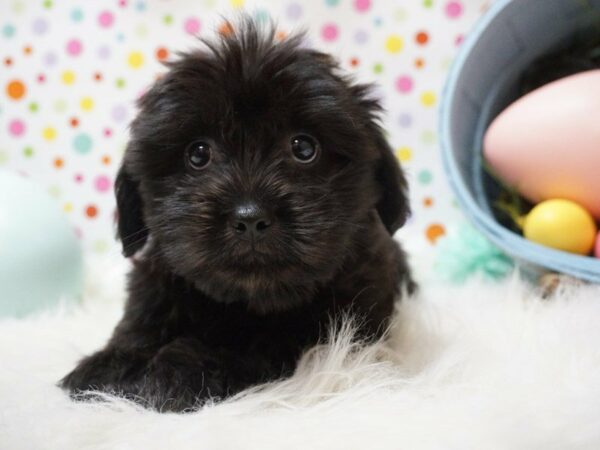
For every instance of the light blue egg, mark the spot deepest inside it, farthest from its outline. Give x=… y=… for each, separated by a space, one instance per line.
x=40 y=256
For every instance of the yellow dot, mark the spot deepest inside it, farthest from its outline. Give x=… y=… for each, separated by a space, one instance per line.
x=428 y=98
x=68 y=77
x=135 y=60
x=68 y=207
x=49 y=133
x=87 y=104
x=237 y=3
x=394 y=44
x=404 y=154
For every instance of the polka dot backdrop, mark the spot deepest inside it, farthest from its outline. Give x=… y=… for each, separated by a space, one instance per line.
x=70 y=72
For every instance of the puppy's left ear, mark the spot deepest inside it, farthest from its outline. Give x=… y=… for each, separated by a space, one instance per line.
x=132 y=230
x=393 y=206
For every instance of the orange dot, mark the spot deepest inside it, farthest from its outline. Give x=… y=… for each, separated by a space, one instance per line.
x=422 y=38
x=225 y=29
x=74 y=122
x=434 y=232
x=419 y=63
x=27 y=50
x=15 y=89
x=162 y=53
x=7 y=62
x=98 y=76
x=106 y=160
x=354 y=62
x=427 y=202
x=280 y=35
x=91 y=211
x=59 y=163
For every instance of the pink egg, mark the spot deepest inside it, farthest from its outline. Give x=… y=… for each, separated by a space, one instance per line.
x=597 y=247
x=546 y=144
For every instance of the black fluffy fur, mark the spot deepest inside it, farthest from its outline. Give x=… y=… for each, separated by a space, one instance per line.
x=209 y=314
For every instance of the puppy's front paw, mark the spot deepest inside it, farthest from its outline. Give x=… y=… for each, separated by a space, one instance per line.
x=108 y=370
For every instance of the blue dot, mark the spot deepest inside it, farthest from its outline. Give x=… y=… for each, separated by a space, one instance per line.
x=82 y=143
x=332 y=2
x=8 y=31
x=120 y=37
x=140 y=6
x=77 y=15
x=425 y=176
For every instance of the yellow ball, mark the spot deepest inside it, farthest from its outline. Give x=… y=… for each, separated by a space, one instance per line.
x=561 y=224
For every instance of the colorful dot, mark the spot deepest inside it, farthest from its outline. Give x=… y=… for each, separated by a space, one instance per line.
x=425 y=177
x=329 y=32
x=68 y=207
x=105 y=160
x=74 y=47
x=78 y=178
x=77 y=15
x=15 y=89
x=168 y=19
x=361 y=37
x=405 y=120
x=427 y=202
x=454 y=9
x=102 y=183
x=60 y=106
x=135 y=60
x=119 y=113
x=422 y=38
x=404 y=154
x=74 y=122
x=294 y=11
x=332 y=2
x=162 y=53
x=50 y=59
x=378 y=68
x=419 y=63
x=394 y=44
x=191 y=25
x=8 y=31
x=82 y=143
x=434 y=232
x=49 y=133
x=68 y=77
x=104 y=52
x=87 y=103
x=428 y=98
x=105 y=19
x=16 y=127
x=59 y=163
x=91 y=211
x=236 y=3
x=362 y=5
x=40 y=26
x=404 y=84
x=28 y=152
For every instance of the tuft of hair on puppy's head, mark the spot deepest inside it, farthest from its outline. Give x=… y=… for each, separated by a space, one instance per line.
x=255 y=167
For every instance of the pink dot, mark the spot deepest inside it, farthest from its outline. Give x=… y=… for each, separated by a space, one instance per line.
x=74 y=47
x=102 y=183
x=16 y=127
x=192 y=25
x=458 y=40
x=329 y=32
x=404 y=84
x=362 y=5
x=78 y=178
x=454 y=9
x=106 y=19
x=107 y=132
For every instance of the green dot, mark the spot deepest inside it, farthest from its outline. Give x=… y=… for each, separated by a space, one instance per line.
x=168 y=19
x=33 y=107
x=60 y=106
x=141 y=31
x=54 y=191
x=82 y=143
x=28 y=152
x=47 y=4
x=378 y=68
x=400 y=14
x=428 y=137
x=425 y=176
x=100 y=246
x=120 y=83
x=427 y=3
x=3 y=157
x=18 y=6
x=332 y=2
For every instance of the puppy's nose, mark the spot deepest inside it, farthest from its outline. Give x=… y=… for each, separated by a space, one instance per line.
x=250 y=220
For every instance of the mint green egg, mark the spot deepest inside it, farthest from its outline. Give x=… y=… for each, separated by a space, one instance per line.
x=40 y=256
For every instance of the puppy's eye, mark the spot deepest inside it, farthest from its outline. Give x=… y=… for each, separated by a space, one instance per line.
x=199 y=154
x=304 y=148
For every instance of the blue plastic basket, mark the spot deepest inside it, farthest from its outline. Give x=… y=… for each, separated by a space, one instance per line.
x=483 y=80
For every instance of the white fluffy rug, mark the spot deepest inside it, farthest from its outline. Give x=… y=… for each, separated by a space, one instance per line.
x=477 y=367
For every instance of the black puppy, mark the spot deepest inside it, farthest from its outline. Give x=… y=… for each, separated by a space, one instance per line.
x=259 y=197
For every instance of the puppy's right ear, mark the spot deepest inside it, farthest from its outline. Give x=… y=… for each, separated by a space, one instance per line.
x=132 y=230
